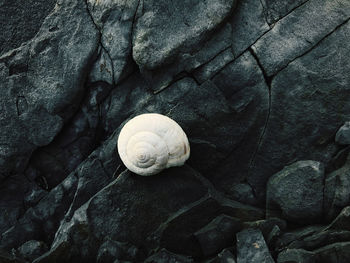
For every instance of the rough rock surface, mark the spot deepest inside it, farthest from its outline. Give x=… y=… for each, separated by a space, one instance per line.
x=251 y=247
x=256 y=86
x=343 y=134
x=296 y=192
x=337 y=190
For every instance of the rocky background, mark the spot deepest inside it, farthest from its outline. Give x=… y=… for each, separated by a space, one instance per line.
x=261 y=87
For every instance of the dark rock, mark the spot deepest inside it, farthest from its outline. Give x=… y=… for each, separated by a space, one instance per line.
x=251 y=247
x=44 y=80
x=218 y=234
x=13 y=192
x=115 y=20
x=273 y=235
x=313 y=94
x=124 y=203
x=282 y=45
x=342 y=221
x=181 y=226
x=319 y=239
x=165 y=256
x=337 y=252
x=207 y=71
x=202 y=63
x=163 y=31
x=41 y=221
x=296 y=256
x=75 y=142
x=32 y=249
x=276 y=9
x=338 y=160
x=225 y=256
x=288 y=238
x=112 y=250
x=243 y=85
x=266 y=226
x=343 y=134
x=21 y=20
x=297 y=192
x=243 y=193
x=248 y=24
x=337 y=191
x=9 y=258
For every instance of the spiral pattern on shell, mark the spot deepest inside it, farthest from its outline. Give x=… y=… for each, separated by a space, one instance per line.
x=151 y=142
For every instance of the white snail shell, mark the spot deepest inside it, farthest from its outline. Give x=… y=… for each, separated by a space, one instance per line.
x=151 y=142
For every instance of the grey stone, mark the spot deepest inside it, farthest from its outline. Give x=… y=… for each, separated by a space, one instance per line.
x=341 y=222
x=290 y=38
x=276 y=9
x=204 y=58
x=165 y=256
x=243 y=193
x=343 y=134
x=218 y=234
x=273 y=235
x=21 y=20
x=9 y=258
x=102 y=69
x=181 y=227
x=163 y=30
x=296 y=256
x=126 y=202
x=225 y=256
x=337 y=252
x=319 y=239
x=13 y=192
x=44 y=81
x=297 y=192
x=41 y=221
x=251 y=247
x=243 y=85
x=337 y=192
x=312 y=93
x=112 y=250
x=289 y=237
x=115 y=21
x=248 y=24
x=32 y=249
x=208 y=70
x=266 y=226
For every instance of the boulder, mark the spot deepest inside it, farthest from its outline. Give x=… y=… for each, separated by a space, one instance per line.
x=296 y=192
x=251 y=247
x=343 y=134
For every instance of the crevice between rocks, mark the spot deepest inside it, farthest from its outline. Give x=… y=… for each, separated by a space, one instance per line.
x=268 y=81
x=289 y=12
x=68 y=122
x=311 y=48
x=100 y=40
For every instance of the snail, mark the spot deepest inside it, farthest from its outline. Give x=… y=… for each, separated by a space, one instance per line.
x=151 y=142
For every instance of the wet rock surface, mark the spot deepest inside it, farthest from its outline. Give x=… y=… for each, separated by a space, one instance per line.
x=261 y=88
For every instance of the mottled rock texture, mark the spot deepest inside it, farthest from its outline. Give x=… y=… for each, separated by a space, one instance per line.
x=259 y=87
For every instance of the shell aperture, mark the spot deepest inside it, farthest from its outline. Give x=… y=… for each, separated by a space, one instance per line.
x=151 y=142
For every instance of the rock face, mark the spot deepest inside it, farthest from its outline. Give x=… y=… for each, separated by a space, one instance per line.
x=337 y=193
x=343 y=134
x=251 y=247
x=259 y=87
x=297 y=192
